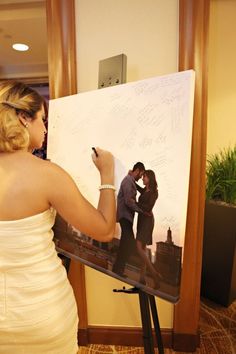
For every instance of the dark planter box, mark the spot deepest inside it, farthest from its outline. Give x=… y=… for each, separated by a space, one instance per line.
x=219 y=253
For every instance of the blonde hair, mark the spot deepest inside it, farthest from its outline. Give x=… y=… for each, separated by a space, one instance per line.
x=16 y=98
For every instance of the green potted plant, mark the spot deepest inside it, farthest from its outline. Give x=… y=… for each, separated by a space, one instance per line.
x=219 y=242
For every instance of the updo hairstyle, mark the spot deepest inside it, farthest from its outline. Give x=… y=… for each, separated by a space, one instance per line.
x=16 y=98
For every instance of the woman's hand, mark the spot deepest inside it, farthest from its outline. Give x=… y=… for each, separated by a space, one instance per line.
x=63 y=194
x=105 y=165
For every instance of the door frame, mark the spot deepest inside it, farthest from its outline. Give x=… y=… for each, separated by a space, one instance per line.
x=193 y=48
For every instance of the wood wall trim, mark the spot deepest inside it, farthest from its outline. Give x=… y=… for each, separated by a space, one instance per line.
x=29 y=80
x=61 y=47
x=130 y=336
x=193 y=45
x=63 y=82
x=76 y=276
x=125 y=336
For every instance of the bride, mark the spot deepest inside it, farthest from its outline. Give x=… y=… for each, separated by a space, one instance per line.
x=37 y=307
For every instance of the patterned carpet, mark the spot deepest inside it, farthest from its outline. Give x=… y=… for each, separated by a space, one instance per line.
x=217 y=329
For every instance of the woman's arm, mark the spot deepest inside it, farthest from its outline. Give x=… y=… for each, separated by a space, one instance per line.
x=66 y=198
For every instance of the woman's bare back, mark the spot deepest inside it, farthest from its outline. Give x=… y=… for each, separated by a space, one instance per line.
x=23 y=185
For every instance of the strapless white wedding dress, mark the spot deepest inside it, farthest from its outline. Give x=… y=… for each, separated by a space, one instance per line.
x=38 y=313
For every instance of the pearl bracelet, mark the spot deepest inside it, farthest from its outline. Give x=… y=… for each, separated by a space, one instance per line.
x=107 y=186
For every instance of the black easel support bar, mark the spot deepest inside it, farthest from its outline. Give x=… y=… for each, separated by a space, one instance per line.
x=147 y=303
x=156 y=324
x=146 y=323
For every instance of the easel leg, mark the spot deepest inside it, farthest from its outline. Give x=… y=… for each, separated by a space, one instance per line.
x=146 y=302
x=146 y=323
x=156 y=324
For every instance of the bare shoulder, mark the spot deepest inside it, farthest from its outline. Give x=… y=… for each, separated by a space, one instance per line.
x=43 y=171
x=44 y=165
x=53 y=170
x=54 y=176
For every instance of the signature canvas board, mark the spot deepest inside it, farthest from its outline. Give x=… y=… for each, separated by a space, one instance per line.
x=148 y=121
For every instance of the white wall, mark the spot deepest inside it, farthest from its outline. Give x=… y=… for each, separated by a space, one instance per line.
x=147 y=32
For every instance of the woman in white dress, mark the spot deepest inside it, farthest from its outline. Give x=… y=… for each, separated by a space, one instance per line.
x=37 y=307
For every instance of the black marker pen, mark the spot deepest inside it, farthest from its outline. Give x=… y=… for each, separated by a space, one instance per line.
x=95 y=151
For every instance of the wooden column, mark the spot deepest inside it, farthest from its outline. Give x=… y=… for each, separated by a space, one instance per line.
x=61 y=47
x=62 y=82
x=193 y=45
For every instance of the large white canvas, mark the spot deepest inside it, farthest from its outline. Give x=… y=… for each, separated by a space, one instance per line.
x=148 y=121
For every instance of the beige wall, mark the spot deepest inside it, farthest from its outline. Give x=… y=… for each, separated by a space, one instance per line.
x=147 y=32
x=222 y=76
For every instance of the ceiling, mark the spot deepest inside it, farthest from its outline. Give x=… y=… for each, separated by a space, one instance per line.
x=23 y=22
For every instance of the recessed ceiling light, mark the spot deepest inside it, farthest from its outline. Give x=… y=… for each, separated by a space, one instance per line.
x=20 y=46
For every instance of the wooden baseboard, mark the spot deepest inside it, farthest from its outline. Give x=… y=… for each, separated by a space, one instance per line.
x=130 y=336
x=185 y=342
x=127 y=336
